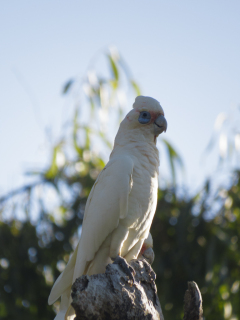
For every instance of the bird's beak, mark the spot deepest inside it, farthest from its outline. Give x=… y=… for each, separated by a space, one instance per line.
x=160 y=125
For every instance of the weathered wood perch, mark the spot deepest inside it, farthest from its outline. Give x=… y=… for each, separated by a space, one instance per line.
x=193 y=303
x=111 y=296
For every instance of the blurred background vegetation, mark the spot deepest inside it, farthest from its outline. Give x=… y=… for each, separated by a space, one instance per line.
x=195 y=236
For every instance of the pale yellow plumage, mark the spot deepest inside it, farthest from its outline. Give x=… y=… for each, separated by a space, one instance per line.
x=121 y=204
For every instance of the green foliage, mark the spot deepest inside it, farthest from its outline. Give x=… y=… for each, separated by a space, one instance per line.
x=187 y=247
x=36 y=247
x=67 y=86
x=226 y=135
x=24 y=289
x=193 y=247
x=174 y=160
x=33 y=254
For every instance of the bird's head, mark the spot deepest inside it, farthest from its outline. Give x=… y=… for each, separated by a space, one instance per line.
x=145 y=119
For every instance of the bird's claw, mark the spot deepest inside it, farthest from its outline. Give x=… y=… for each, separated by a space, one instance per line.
x=148 y=255
x=130 y=272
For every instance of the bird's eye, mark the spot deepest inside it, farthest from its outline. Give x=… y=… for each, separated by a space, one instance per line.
x=144 y=117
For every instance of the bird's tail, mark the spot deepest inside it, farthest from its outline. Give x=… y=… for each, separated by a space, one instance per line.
x=62 y=288
x=62 y=316
x=64 y=281
x=66 y=311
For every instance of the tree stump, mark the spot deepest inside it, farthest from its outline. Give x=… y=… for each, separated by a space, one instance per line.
x=112 y=295
x=193 y=303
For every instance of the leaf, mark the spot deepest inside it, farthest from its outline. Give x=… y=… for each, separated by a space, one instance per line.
x=53 y=170
x=87 y=140
x=210 y=145
x=114 y=84
x=114 y=68
x=207 y=186
x=92 y=107
x=32 y=173
x=99 y=162
x=174 y=158
x=75 y=130
x=135 y=87
x=105 y=140
x=67 y=86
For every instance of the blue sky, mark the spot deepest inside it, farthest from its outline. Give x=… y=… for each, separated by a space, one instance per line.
x=183 y=53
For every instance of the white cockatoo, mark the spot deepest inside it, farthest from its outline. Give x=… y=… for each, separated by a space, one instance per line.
x=121 y=205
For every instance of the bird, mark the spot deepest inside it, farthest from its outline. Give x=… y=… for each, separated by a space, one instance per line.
x=121 y=204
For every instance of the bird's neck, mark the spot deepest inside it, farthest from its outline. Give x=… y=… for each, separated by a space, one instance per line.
x=136 y=146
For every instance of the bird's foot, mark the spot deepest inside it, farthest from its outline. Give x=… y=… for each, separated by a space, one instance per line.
x=148 y=255
x=130 y=272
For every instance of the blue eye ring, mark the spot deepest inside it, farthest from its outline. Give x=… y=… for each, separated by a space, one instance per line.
x=144 y=117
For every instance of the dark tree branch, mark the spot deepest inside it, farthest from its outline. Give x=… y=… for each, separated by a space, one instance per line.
x=18 y=191
x=193 y=303
x=112 y=296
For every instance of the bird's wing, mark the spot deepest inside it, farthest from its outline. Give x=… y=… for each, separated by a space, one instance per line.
x=106 y=204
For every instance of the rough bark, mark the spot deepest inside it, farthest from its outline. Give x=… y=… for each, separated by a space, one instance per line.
x=193 y=303
x=111 y=295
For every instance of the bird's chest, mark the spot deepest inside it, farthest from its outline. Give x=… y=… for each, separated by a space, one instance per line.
x=143 y=196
